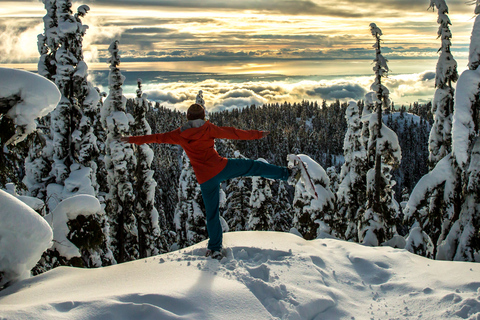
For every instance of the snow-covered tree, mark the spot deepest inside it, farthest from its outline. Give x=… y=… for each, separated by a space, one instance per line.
x=149 y=234
x=84 y=137
x=283 y=214
x=66 y=116
x=262 y=205
x=440 y=141
x=443 y=204
x=39 y=162
x=36 y=167
x=378 y=223
x=120 y=163
x=189 y=216
x=314 y=217
x=199 y=100
x=101 y=135
x=463 y=239
x=73 y=139
x=22 y=101
x=238 y=208
x=48 y=42
x=351 y=193
x=430 y=208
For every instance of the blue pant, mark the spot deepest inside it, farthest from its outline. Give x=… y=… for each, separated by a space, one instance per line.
x=211 y=191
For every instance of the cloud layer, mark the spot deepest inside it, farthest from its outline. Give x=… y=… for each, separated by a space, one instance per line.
x=235 y=93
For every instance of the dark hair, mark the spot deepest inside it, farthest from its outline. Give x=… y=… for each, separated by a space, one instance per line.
x=195 y=111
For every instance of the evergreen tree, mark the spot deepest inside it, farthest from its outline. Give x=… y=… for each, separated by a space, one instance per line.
x=36 y=167
x=66 y=116
x=463 y=239
x=101 y=135
x=352 y=190
x=48 y=42
x=261 y=202
x=120 y=164
x=189 y=217
x=238 y=208
x=378 y=223
x=282 y=209
x=149 y=234
x=315 y=217
x=440 y=141
x=167 y=166
x=39 y=162
x=433 y=205
x=84 y=138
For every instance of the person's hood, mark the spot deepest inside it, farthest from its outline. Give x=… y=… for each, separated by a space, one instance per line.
x=193 y=129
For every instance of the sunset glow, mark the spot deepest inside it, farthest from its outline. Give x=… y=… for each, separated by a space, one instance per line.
x=291 y=38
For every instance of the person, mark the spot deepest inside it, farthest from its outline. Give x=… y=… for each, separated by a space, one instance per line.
x=197 y=138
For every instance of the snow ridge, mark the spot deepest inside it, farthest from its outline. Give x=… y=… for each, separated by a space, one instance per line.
x=266 y=275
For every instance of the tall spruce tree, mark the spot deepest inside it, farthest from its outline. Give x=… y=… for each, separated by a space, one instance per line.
x=351 y=194
x=431 y=208
x=120 y=164
x=150 y=238
x=39 y=161
x=70 y=151
x=84 y=138
x=463 y=239
x=440 y=142
x=48 y=42
x=378 y=223
x=189 y=216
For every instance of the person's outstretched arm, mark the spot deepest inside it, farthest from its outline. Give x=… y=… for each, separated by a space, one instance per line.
x=237 y=134
x=171 y=137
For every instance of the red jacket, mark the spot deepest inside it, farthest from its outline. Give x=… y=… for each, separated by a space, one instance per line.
x=198 y=143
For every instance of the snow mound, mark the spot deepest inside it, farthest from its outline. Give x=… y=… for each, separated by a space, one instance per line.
x=36 y=96
x=24 y=236
x=70 y=209
x=266 y=275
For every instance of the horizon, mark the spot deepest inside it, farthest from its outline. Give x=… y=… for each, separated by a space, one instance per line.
x=284 y=50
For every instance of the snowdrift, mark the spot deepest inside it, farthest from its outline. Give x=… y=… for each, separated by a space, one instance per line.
x=266 y=275
x=24 y=236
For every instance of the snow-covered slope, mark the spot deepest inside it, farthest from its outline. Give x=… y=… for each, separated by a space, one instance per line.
x=266 y=275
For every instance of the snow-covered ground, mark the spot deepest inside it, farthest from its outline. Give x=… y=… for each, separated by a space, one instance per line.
x=266 y=275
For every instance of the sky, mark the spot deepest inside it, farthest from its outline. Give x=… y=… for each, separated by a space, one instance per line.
x=286 y=49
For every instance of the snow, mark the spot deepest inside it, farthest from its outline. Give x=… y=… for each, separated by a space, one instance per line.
x=266 y=275
x=463 y=123
x=38 y=96
x=24 y=236
x=67 y=210
x=442 y=172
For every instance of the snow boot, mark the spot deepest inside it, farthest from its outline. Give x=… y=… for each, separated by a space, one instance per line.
x=215 y=254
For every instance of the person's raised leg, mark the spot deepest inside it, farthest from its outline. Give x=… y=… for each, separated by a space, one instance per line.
x=248 y=168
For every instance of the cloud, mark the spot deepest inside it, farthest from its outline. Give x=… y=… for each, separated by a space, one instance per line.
x=290 y=7
x=429 y=75
x=18 y=40
x=172 y=98
x=338 y=91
